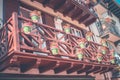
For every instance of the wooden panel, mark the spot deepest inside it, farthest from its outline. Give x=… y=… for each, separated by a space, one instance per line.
x=47 y=19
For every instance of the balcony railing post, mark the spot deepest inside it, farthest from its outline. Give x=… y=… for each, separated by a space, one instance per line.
x=16 y=31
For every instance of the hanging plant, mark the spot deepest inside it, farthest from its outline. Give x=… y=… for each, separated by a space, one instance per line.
x=112 y=59
x=108 y=19
x=79 y=54
x=54 y=48
x=89 y=35
x=104 y=50
x=66 y=27
x=104 y=42
x=112 y=56
x=82 y=43
x=35 y=15
x=99 y=57
x=27 y=27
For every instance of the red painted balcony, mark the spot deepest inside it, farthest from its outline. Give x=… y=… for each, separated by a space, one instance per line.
x=33 y=49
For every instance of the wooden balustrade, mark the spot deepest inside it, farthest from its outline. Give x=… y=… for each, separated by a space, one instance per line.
x=13 y=38
x=44 y=45
x=41 y=35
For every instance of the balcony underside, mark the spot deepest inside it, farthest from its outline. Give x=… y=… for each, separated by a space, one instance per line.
x=27 y=61
x=72 y=9
x=111 y=37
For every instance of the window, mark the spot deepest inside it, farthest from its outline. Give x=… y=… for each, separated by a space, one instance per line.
x=76 y=32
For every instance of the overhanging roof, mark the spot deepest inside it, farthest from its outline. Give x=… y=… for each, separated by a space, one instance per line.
x=77 y=11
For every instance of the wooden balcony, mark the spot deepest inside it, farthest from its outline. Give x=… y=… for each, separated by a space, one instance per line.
x=75 y=9
x=111 y=32
x=27 y=51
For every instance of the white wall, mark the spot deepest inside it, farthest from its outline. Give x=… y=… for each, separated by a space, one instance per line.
x=94 y=29
x=1 y=11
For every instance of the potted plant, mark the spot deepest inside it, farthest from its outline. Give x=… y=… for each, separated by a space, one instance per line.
x=112 y=57
x=99 y=57
x=108 y=19
x=66 y=27
x=35 y=15
x=104 y=42
x=89 y=34
x=104 y=50
x=79 y=53
x=54 y=48
x=27 y=26
x=81 y=43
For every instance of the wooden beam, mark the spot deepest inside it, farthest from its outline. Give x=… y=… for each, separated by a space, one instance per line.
x=84 y=18
x=62 y=67
x=76 y=14
x=26 y=63
x=72 y=11
x=87 y=67
x=46 y=65
x=75 y=67
x=65 y=13
x=96 y=68
x=45 y=2
x=60 y=5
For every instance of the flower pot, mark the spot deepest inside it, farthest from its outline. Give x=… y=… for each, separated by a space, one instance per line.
x=104 y=50
x=108 y=19
x=27 y=27
x=79 y=53
x=112 y=56
x=112 y=61
x=104 y=42
x=54 y=51
x=99 y=57
x=81 y=43
x=35 y=15
x=80 y=56
x=54 y=48
x=66 y=28
x=89 y=35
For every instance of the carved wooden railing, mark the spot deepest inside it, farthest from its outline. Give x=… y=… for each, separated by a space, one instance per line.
x=13 y=38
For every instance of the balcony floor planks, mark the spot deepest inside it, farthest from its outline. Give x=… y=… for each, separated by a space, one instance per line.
x=55 y=63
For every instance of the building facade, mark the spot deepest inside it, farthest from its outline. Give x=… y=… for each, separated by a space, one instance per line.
x=58 y=38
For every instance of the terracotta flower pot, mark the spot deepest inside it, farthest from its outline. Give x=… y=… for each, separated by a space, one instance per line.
x=112 y=56
x=99 y=57
x=103 y=50
x=35 y=15
x=27 y=27
x=112 y=59
x=54 y=48
x=79 y=54
x=82 y=42
x=104 y=42
x=108 y=19
x=89 y=35
x=66 y=28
